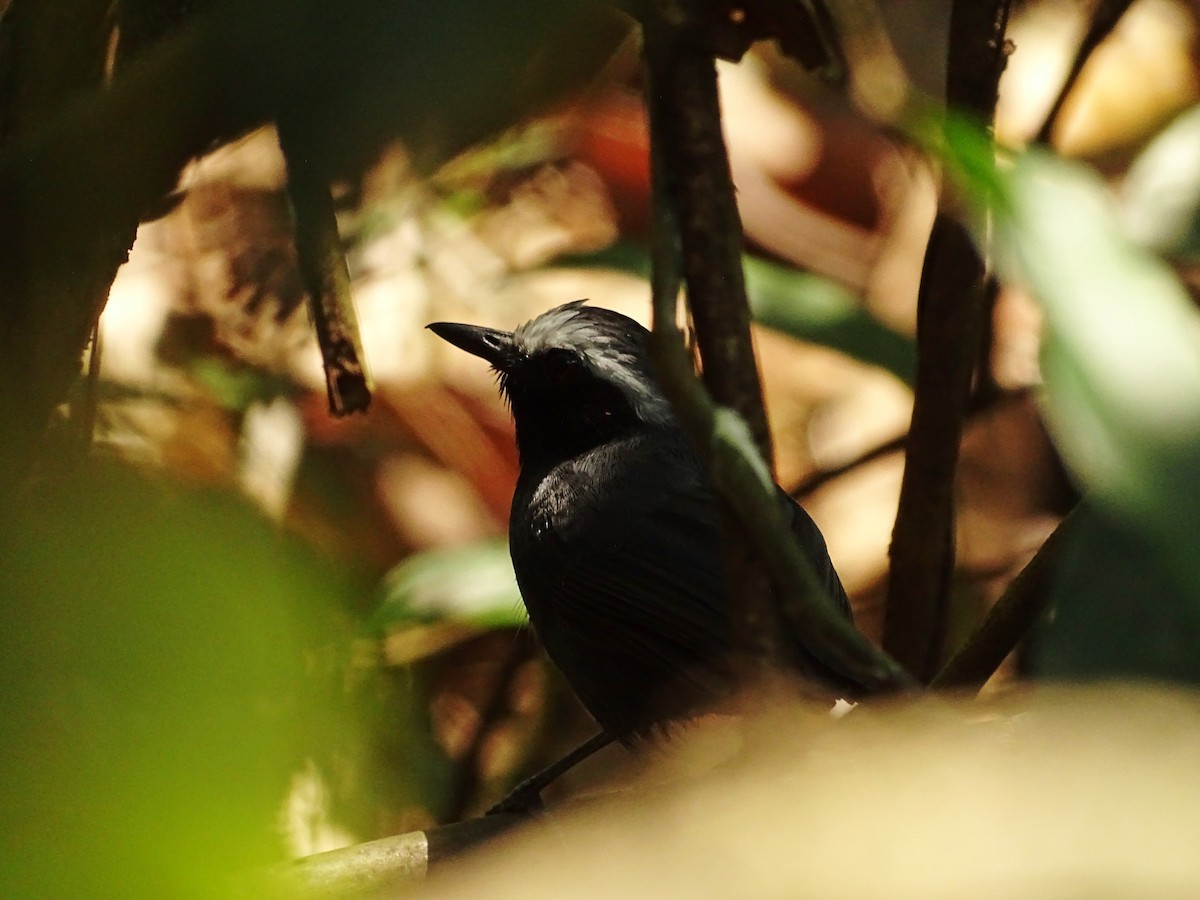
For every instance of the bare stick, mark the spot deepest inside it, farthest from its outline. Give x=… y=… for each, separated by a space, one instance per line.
x=1009 y=619
x=327 y=279
x=949 y=327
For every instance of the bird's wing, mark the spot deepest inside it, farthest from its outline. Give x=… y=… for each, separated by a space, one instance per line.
x=813 y=542
x=633 y=586
x=627 y=589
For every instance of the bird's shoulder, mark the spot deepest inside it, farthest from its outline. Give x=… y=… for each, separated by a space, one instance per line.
x=641 y=473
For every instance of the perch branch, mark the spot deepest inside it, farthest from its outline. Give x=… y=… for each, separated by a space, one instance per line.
x=375 y=868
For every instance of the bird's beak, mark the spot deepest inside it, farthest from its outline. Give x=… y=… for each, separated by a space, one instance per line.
x=487 y=343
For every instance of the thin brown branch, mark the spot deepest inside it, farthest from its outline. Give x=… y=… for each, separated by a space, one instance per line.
x=1009 y=619
x=695 y=181
x=1104 y=19
x=985 y=378
x=698 y=182
x=949 y=327
x=922 y=548
x=327 y=280
x=978 y=404
x=978 y=53
x=741 y=475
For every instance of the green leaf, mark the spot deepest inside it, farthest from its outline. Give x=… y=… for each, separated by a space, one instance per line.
x=474 y=585
x=237 y=387
x=1121 y=363
x=967 y=151
x=1121 y=352
x=1121 y=355
x=1118 y=612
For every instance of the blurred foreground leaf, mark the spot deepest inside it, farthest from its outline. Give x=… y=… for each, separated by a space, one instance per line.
x=167 y=661
x=1121 y=363
x=1116 y=611
x=1160 y=195
x=1121 y=355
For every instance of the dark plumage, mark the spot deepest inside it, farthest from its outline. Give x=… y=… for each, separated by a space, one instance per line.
x=615 y=530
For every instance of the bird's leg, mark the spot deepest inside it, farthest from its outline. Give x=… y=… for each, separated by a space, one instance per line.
x=526 y=797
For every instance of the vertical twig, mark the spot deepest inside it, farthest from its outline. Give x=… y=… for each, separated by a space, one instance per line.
x=949 y=329
x=698 y=184
x=693 y=173
x=753 y=515
x=327 y=280
x=89 y=405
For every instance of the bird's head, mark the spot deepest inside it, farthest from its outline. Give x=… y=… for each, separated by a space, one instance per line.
x=575 y=377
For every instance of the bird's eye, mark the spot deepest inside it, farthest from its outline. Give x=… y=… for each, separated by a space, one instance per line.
x=563 y=365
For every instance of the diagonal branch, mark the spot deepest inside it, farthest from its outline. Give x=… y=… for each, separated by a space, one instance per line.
x=1104 y=19
x=1009 y=619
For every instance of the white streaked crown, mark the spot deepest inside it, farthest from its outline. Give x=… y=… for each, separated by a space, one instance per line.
x=611 y=345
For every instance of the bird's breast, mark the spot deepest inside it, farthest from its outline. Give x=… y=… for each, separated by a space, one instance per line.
x=557 y=502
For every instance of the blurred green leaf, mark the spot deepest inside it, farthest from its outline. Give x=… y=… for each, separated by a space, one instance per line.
x=167 y=661
x=1121 y=363
x=474 y=585
x=799 y=304
x=968 y=153
x=237 y=387
x=1118 y=613
x=1160 y=195
x=1121 y=355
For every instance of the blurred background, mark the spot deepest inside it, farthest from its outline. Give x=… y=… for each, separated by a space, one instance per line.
x=375 y=544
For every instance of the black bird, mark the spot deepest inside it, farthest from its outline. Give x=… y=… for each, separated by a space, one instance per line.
x=615 y=528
